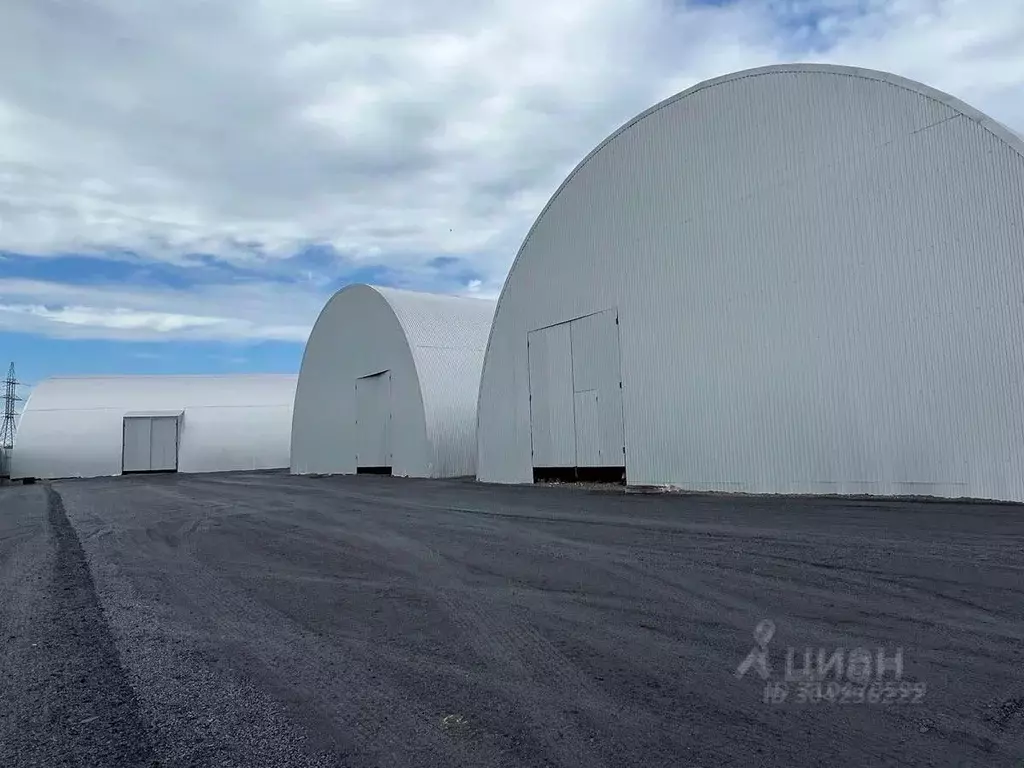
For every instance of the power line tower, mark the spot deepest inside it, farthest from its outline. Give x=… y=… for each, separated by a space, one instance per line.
x=11 y=400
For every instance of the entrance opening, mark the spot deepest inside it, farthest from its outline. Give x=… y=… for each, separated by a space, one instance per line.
x=554 y=474
x=610 y=475
x=373 y=470
x=616 y=475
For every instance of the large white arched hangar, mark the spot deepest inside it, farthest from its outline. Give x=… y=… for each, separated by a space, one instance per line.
x=389 y=384
x=111 y=425
x=794 y=279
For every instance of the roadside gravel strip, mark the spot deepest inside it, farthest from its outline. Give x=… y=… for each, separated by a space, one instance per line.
x=262 y=621
x=66 y=697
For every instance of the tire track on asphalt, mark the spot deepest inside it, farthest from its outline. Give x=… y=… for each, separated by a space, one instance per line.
x=90 y=710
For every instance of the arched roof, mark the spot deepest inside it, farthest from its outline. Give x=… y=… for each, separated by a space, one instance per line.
x=998 y=129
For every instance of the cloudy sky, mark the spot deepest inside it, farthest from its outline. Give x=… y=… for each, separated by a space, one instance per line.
x=183 y=183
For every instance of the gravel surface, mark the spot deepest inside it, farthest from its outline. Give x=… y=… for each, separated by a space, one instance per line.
x=67 y=699
x=265 y=620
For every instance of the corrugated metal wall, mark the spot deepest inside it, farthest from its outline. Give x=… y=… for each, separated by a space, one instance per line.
x=433 y=345
x=818 y=272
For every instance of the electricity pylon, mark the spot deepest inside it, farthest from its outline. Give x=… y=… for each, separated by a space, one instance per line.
x=11 y=400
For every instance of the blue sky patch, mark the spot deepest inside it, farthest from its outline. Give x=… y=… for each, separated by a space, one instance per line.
x=310 y=275
x=38 y=359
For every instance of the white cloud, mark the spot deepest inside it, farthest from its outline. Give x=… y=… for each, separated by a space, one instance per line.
x=395 y=131
x=250 y=312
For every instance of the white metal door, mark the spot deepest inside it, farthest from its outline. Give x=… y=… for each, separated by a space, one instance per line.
x=373 y=420
x=137 y=437
x=164 y=444
x=596 y=369
x=588 y=429
x=552 y=422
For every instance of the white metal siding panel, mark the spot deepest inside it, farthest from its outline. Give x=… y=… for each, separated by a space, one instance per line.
x=818 y=272
x=503 y=414
x=450 y=381
x=551 y=397
x=164 y=443
x=137 y=444
x=259 y=437
x=595 y=367
x=433 y=346
x=74 y=427
x=373 y=420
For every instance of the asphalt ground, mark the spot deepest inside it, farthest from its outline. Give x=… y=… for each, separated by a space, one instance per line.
x=263 y=620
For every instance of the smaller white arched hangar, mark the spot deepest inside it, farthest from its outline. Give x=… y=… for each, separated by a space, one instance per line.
x=389 y=384
x=112 y=425
x=794 y=279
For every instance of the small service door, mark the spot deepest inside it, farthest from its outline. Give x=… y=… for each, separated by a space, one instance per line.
x=373 y=422
x=150 y=444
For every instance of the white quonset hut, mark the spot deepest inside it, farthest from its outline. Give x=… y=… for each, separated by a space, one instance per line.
x=99 y=426
x=794 y=279
x=389 y=383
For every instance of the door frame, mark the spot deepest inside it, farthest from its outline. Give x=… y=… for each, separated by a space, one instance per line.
x=151 y=416
x=389 y=457
x=622 y=388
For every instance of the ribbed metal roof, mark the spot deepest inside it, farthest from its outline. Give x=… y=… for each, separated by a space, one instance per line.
x=434 y=321
x=448 y=338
